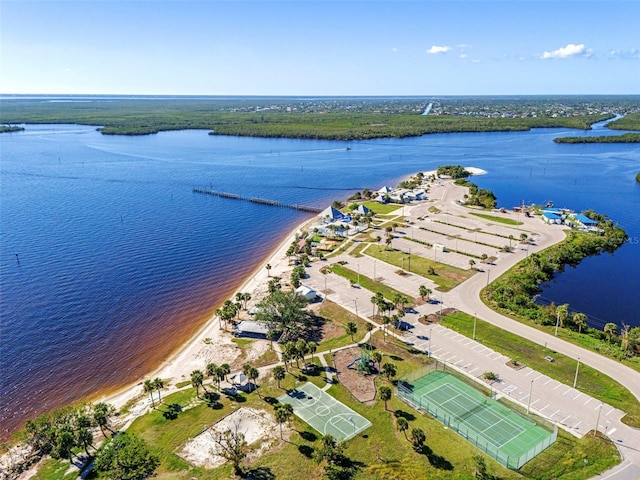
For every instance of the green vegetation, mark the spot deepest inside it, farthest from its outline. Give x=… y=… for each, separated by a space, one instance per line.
x=494 y=218
x=381 y=208
x=513 y=292
x=235 y=117
x=480 y=197
x=624 y=138
x=453 y=171
x=338 y=318
x=445 y=276
x=365 y=282
x=630 y=121
x=638 y=177
x=10 y=128
x=562 y=368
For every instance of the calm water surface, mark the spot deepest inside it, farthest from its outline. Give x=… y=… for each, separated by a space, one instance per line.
x=118 y=262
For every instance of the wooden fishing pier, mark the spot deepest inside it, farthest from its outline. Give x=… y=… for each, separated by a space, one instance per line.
x=262 y=201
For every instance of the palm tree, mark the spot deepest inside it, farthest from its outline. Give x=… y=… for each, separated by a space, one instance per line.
x=279 y=373
x=286 y=358
x=225 y=369
x=611 y=329
x=580 y=319
x=385 y=395
x=312 y=347
x=101 y=413
x=268 y=267
x=387 y=242
x=386 y=320
x=281 y=417
x=84 y=437
x=351 y=329
x=288 y=408
x=149 y=387
x=389 y=370
x=472 y=262
x=377 y=357
x=196 y=380
x=423 y=291
x=301 y=349
x=158 y=384
x=253 y=376
x=211 y=370
x=369 y=327
x=403 y=425
x=523 y=237
x=418 y=438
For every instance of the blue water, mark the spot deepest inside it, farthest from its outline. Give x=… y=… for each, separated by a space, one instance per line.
x=118 y=262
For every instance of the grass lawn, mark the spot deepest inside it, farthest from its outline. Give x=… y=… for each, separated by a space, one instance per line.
x=562 y=369
x=365 y=282
x=380 y=452
x=334 y=332
x=381 y=208
x=446 y=276
x=495 y=218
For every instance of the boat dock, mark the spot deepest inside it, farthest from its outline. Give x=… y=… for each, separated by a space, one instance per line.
x=263 y=201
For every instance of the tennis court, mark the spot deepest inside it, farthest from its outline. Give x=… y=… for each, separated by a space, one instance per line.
x=324 y=413
x=510 y=437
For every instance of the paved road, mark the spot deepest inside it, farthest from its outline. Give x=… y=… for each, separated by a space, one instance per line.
x=572 y=409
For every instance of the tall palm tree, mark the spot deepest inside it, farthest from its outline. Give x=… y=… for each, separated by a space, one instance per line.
x=281 y=417
x=611 y=329
x=369 y=327
x=288 y=408
x=403 y=425
x=149 y=387
x=580 y=319
x=101 y=414
x=197 y=378
x=385 y=395
x=158 y=384
x=253 y=376
x=312 y=347
x=351 y=329
x=211 y=370
x=377 y=357
x=225 y=368
x=279 y=373
x=389 y=370
x=268 y=267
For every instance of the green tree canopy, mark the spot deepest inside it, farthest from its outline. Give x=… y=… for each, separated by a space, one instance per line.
x=126 y=457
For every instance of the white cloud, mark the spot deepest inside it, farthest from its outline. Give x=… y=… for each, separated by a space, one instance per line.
x=438 y=49
x=394 y=50
x=633 y=54
x=463 y=55
x=571 y=50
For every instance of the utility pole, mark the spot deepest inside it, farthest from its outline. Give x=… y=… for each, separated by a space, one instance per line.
x=595 y=432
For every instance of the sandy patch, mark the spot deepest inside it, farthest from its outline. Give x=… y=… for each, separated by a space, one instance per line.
x=256 y=425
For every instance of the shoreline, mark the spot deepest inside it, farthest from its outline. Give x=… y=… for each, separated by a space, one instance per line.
x=169 y=370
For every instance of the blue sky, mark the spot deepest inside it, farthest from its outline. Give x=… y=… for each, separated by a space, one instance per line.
x=320 y=47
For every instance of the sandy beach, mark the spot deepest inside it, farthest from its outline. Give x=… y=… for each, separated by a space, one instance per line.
x=219 y=348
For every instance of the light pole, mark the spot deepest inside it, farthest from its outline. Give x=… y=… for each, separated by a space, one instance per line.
x=355 y=301
x=557 y=321
x=575 y=379
x=595 y=432
x=474 y=326
x=488 y=276
x=530 y=389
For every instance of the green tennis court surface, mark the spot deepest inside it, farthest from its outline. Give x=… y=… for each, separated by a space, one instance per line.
x=324 y=413
x=509 y=437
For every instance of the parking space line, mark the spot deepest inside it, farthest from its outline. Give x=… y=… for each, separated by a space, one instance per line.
x=590 y=398
x=575 y=398
x=554 y=413
x=535 y=401
x=559 y=385
x=471 y=371
x=576 y=425
x=550 y=380
x=568 y=390
x=529 y=373
x=565 y=419
x=607 y=414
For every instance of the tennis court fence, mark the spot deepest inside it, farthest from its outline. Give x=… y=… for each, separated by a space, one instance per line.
x=405 y=390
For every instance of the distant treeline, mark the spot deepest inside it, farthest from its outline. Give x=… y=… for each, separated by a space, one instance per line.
x=10 y=128
x=624 y=138
x=631 y=121
x=143 y=117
